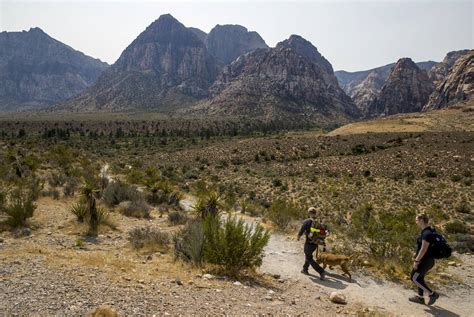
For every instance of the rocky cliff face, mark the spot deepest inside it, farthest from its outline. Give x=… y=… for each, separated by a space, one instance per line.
x=290 y=80
x=364 y=86
x=458 y=84
x=365 y=93
x=406 y=89
x=37 y=70
x=439 y=71
x=227 y=42
x=165 y=67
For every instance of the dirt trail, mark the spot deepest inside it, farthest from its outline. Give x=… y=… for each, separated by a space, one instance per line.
x=285 y=256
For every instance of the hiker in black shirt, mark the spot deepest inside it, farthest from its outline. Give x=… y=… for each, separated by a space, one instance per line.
x=311 y=245
x=423 y=261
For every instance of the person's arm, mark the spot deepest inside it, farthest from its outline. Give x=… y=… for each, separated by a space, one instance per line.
x=424 y=247
x=302 y=230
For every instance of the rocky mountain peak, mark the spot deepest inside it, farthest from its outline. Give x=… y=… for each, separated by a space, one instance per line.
x=458 y=85
x=304 y=48
x=165 y=67
x=439 y=71
x=406 y=89
x=227 y=42
x=38 y=71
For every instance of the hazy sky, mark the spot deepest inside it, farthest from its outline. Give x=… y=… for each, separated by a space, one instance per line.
x=352 y=35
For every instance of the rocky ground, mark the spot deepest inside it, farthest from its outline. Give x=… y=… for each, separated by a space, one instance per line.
x=50 y=272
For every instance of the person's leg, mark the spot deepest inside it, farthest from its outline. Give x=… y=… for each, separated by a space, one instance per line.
x=418 y=276
x=308 y=255
x=308 y=251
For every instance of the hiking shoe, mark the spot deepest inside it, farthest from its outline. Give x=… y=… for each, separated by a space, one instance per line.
x=417 y=299
x=305 y=272
x=322 y=276
x=433 y=298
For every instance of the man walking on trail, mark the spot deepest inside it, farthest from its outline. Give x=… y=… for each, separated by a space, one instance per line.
x=315 y=233
x=423 y=261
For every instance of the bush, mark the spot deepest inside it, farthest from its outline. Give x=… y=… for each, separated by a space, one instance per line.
x=456 y=226
x=189 y=243
x=431 y=174
x=281 y=213
x=234 y=245
x=80 y=211
x=19 y=206
x=116 y=192
x=208 y=205
x=383 y=234
x=70 y=187
x=177 y=217
x=135 y=208
x=463 y=207
x=148 y=237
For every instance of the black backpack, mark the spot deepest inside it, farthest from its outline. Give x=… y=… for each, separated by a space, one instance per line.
x=439 y=248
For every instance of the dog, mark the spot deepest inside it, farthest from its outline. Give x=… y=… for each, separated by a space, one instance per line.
x=328 y=259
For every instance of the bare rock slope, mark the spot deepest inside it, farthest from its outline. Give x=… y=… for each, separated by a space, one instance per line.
x=38 y=71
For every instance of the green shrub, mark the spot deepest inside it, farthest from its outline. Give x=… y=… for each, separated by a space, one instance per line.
x=382 y=234
x=208 y=205
x=281 y=213
x=136 y=208
x=116 y=192
x=463 y=207
x=150 y=238
x=455 y=226
x=431 y=174
x=456 y=178
x=80 y=211
x=359 y=149
x=177 y=217
x=234 y=245
x=189 y=243
x=19 y=206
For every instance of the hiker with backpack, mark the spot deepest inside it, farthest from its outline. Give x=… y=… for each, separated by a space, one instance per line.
x=430 y=245
x=315 y=232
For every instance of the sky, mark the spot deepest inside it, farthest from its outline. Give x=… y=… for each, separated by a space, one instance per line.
x=353 y=35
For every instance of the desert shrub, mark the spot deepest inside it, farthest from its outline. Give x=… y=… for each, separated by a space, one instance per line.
x=177 y=217
x=137 y=208
x=208 y=205
x=456 y=178
x=383 y=234
x=359 y=149
x=163 y=193
x=456 y=226
x=431 y=174
x=233 y=245
x=116 y=192
x=79 y=210
x=189 y=243
x=463 y=207
x=250 y=207
x=148 y=237
x=19 y=205
x=281 y=213
x=70 y=187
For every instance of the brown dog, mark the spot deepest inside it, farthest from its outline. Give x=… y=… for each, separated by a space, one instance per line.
x=328 y=259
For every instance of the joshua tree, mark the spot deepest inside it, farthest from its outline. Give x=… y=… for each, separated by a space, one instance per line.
x=88 y=191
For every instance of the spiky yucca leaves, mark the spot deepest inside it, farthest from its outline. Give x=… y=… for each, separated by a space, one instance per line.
x=234 y=245
x=80 y=211
x=88 y=191
x=208 y=205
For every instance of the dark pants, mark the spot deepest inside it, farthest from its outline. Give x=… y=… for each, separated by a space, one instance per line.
x=418 y=275
x=309 y=249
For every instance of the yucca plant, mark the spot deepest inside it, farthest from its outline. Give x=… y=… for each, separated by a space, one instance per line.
x=79 y=210
x=208 y=205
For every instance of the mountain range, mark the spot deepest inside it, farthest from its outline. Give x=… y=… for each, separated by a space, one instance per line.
x=228 y=72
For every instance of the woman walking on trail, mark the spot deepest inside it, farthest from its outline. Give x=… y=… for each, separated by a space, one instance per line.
x=423 y=261
x=312 y=240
